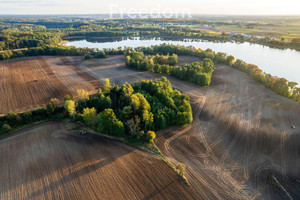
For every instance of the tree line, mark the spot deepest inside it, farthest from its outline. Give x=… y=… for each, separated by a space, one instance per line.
x=279 y=85
x=88 y=53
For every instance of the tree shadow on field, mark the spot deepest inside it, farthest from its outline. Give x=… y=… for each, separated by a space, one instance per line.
x=66 y=179
x=160 y=191
x=38 y=153
x=74 y=65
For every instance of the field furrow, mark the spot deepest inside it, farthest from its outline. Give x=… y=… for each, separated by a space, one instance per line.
x=29 y=83
x=47 y=161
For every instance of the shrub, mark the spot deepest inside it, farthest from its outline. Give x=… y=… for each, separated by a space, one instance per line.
x=60 y=116
x=70 y=107
x=27 y=116
x=83 y=95
x=138 y=56
x=106 y=86
x=6 y=128
x=87 y=57
x=67 y=97
x=150 y=136
x=39 y=114
x=12 y=116
x=180 y=167
x=133 y=125
x=108 y=123
x=52 y=106
x=89 y=116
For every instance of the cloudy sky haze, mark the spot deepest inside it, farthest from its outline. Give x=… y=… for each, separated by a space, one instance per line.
x=229 y=7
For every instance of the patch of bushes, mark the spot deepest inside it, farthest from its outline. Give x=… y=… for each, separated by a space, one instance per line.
x=6 y=128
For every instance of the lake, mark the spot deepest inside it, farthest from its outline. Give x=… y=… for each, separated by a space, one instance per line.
x=281 y=63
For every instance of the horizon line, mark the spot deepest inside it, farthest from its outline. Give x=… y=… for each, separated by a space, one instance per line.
x=153 y=13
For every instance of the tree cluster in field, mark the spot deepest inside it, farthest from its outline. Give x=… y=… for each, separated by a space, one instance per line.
x=197 y=72
x=133 y=111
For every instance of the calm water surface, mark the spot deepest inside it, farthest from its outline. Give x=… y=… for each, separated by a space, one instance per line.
x=281 y=63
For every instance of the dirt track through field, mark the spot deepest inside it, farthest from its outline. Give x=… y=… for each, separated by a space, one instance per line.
x=29 y=83
x=46 y=161
x=240 y=145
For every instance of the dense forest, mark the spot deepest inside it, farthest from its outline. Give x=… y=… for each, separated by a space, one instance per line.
x=18 y=37
x=133 y=111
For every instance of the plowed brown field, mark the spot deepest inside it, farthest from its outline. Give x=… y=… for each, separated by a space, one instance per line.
x=241 y=144
x=46 y=161
x=29 y=83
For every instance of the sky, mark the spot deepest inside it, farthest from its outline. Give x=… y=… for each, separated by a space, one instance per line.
x=227 y=7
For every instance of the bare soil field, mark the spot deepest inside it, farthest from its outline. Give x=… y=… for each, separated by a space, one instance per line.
x=241 y=144
x=47 y=161
x=182 y=60
x=28 y=83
